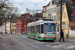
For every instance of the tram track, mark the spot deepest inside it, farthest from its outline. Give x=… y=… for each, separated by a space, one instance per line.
x=26 y=43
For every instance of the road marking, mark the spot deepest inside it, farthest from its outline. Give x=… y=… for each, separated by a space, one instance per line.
x=19 y=43
x=23 y=37
x=70 y=47
x=62 y=46
x=48 y=46
x=39 y=42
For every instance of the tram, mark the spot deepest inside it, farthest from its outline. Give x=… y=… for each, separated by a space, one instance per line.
x=41 y=30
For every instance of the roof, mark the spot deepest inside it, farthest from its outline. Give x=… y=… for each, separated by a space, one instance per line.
x=25 y=14
x=48 y=4
x=69 y=10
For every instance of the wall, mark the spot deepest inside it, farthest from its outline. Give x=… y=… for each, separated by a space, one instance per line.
x=8 y=27
x=0 y=28
x=65 y=19
x=71 y=33
x=3 y=27
x=13 y=27
x=20 y=25
x=51 y=11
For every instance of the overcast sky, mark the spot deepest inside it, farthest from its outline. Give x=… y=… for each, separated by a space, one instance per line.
x=30 y=4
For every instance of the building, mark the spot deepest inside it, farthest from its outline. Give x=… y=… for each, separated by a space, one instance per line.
x=51 y=10
x=26 y=18
x=51 y=13
x=3 y=27
x=58 y=16
x=72 y=19
x=13 y=27
x=36 y=17
x=68 y=19
x=8 y=27
x=21 y=24
x=65 y=19
x=44 y=12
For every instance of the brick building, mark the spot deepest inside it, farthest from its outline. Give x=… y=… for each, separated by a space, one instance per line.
x=21 y=24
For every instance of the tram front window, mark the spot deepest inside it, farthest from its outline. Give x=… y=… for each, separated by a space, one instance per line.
x=49 y=27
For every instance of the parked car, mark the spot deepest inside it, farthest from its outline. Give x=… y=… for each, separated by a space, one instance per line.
x=25 y=32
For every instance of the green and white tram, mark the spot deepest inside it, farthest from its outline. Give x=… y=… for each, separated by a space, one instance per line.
x=41 y=30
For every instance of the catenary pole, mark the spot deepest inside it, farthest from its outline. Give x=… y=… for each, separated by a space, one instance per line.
x=60 y=15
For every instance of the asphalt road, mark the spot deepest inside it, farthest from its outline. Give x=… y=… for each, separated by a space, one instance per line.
x=21 y=42
x=7 y=43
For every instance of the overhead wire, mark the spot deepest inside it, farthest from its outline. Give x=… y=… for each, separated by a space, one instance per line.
x=28 y=3
x=23 y=2
x=34 y=5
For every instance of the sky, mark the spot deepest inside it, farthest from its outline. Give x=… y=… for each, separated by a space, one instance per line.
x=30 y=4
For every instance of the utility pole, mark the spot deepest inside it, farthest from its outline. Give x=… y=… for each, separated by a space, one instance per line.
x=37 y=14
x=5 y=22
x=61 y=16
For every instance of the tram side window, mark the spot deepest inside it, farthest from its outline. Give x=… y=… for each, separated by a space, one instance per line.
x=38 y=28
x=32 y=29
x=42 y=31
x=28 y=29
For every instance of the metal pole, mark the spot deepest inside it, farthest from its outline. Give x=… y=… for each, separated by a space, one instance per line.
x=61 y=16
x=5 y=26
x=10 y=27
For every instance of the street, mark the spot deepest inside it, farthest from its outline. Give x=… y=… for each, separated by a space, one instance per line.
x=21 y=42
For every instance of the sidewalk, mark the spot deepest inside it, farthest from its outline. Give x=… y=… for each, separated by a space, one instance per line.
x=0 y=35
x=70 y=39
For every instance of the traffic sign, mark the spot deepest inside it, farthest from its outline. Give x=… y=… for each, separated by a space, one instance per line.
x=63 y=23
x=56 y=23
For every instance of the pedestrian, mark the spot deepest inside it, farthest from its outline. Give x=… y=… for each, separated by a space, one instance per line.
x=61 y=35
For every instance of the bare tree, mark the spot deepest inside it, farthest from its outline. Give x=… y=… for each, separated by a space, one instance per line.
x=7 y=9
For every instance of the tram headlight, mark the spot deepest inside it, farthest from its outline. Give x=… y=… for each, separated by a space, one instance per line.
x=45 y=33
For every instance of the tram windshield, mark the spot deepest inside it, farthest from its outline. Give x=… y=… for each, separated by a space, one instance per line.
x=49 y=27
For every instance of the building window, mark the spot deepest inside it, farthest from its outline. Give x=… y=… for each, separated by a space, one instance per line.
x=51 y=10
x=58 y=9
x=47 y=11
x=57 y=29
x=54 y=18
x=38 y=29
x=54 y=9
x=49 y=15
x=24 y=21
x=58 y=18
